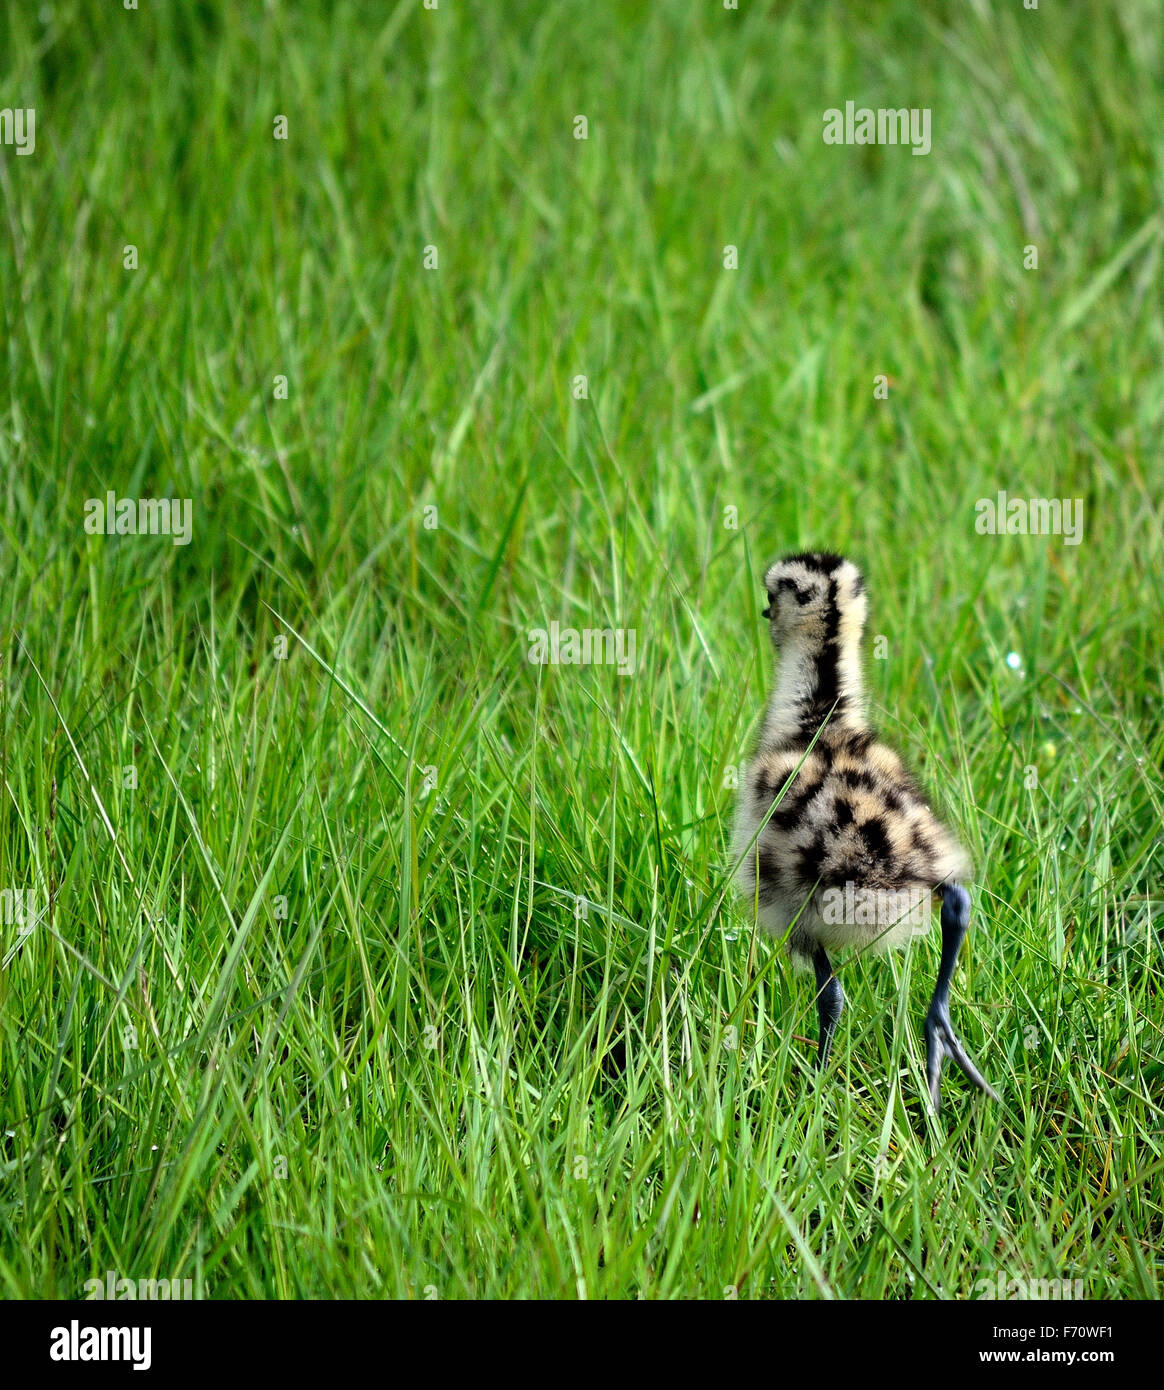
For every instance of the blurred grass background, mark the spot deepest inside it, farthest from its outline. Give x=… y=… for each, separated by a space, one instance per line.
x=406 y=967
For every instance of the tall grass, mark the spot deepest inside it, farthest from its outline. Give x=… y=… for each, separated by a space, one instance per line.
x=372 y=958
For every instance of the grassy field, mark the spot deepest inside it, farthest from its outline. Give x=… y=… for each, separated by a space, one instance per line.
x=349 y=952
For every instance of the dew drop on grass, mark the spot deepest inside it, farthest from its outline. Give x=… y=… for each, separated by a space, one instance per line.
x=1014 y=661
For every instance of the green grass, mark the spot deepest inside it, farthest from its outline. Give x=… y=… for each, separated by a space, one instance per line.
x=409 y=967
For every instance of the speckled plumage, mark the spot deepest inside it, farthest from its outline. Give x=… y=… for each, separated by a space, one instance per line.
x=851 y=813
x=826 y=808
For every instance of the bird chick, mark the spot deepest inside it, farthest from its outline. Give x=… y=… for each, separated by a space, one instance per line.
x=851 y=853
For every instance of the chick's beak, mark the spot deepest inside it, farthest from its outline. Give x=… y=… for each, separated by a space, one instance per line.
x=766 y=612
